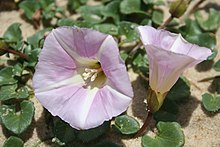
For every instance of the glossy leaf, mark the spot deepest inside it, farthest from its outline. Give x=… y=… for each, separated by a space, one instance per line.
x=65 y=22
x=157 y=17
x=211 y=102
x=29 y=7
x=34 y=39
x=168 y=112
x=190 y=28
x=213 y=21
x=180 y=91
x=210 y=40
x=217 y=66
x=92 y=14
x=128 y=30
x=13 y=33
x=17 y=69
x=47 y=7
x=22 y=92
x=32 y=57
x=169 y=135
x=13 y=142
x=140 y=62
x=92 y=134
x=112 y=10
x=63 y=131
x=130 y=6
x=126 y=124
x=124 y=55
x=74 y=4
x=8 y=92
x=6 y=76
x=17 y=121
x=107 y=28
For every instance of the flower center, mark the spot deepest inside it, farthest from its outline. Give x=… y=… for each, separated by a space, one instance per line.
x=91 y=74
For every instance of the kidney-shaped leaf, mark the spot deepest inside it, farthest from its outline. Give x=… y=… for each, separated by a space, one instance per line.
x=13 y=142
x=217 y=66
x=211 y=102
x=130 y=6
x=6 y=76
x=94 y=133
x=127 y=29
x=126 y=124
x=13 y=33
x=211 y=23
x=169 y=135
x=17 y=122
x=29 y=7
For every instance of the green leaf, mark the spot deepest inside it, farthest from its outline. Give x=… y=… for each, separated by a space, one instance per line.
x=148 y=1
x=22 y=92
x=211 y=102
x=13 y=33
x=190 y=28
x=130 y=6
x=92 y=134
x=112 y=10
x=210 y=40
x=75 y=4
x=107 y=28
x=169 y=135
x=17 y=69
x=126 y=124
x=128 y=30
x=140 y=62
x=92 y=14
x=32 y=56
x=180 y=91
x=157 y=17
x=124 y=55
x=29 y=7
x=6 y=76
x=168 y=112
x=34 y=39
x=217 y=66
x=13 y=141
x=213 y=21
x=17 y=121
x=8 y=92
x=107 y=144
x=63 y=131
x=66 y=22
x=48 y=7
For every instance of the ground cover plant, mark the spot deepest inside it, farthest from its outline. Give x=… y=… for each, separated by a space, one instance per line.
x=80 y=63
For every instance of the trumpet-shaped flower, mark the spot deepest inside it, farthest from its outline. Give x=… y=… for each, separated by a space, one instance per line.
x=81 y=78
x=169 y=55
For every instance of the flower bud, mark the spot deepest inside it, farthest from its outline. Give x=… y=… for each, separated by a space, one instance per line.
x=3 y=45
x=178 y=8
x=155 y=100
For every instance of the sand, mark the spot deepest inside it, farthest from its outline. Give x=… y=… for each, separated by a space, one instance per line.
x=201 y=128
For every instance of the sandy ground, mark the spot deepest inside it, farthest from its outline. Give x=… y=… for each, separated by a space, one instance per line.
x=201 y=128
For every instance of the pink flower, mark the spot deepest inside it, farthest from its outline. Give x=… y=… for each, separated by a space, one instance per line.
x=81 y=78
x=169 y=55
